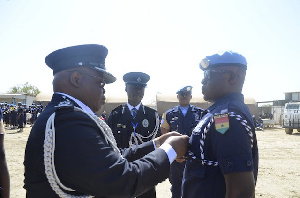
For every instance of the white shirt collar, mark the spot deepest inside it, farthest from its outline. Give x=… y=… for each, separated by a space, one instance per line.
x=78 y=102
x=130 y=107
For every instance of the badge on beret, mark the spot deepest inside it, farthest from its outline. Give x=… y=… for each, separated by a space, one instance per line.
x=145 y=123
x=221 y=122
x=139 y=79
x=204 y=63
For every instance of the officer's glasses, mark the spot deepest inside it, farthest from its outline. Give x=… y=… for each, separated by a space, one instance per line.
x=208 y=73
x=101 y=80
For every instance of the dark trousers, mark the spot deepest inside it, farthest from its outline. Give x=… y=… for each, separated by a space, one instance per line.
x=176 y=174
x=148 y=194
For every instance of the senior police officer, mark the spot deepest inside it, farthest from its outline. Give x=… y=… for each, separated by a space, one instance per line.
x=72 y=152
x=182 y=118
x=133 y=123
x=223 y=153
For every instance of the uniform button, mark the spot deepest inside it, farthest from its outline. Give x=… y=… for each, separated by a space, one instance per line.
x=229 y=164
x=119 y=131
x=249 y=163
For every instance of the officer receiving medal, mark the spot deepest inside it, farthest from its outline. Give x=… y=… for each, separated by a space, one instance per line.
x=223 y=154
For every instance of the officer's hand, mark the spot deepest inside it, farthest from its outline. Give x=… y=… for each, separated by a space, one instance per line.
x=161 y=139
x=181 y=159
x=179 y=144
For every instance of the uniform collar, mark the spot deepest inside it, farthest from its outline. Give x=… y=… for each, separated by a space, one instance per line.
x=78 y=102
x=227 y=98
x=130 y=107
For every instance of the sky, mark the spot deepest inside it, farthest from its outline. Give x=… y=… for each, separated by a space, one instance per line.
x=166 y=39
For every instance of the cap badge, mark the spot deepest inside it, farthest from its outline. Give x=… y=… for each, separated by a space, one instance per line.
x=188 y=89
x=204 y=63
x=139 y=79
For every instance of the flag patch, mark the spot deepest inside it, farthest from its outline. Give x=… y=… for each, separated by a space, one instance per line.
x=221 y=122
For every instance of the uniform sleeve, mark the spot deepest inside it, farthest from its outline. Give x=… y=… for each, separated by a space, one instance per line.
x=233 y=148
x=86 y=163
x=164 y=122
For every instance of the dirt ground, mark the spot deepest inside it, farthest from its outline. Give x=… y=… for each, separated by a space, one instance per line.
x=279 y=165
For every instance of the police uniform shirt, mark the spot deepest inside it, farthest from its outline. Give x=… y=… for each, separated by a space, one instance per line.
x=175 y=120
x=145 y=125
x=228 y=133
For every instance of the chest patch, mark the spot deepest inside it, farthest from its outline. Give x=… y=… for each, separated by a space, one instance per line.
x=221 y=123
x=145 y=123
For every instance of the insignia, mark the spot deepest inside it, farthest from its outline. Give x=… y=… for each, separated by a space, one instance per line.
x=139 y=79
x=175 y=118
x=221 y=123
x=204 y=63
x=145 y=123
x=65 y=103
x=188 y=88
x=121 y=126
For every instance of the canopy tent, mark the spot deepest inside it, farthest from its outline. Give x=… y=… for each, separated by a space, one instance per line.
x=165 y=102
x=15 y=98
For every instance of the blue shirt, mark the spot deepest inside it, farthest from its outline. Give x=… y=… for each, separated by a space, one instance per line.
x=228 y=146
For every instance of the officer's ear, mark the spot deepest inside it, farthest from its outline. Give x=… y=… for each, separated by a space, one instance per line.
x=75 y=78
x=233 y=78
x=126 y=87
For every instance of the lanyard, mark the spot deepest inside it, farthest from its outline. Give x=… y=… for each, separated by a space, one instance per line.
x=134 y=127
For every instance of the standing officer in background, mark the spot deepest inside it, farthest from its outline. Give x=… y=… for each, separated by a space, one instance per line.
x=133 y=123
x=20 y=117
x=183 y=119
x=72 y=152
x=4 y=174
x=223 y=153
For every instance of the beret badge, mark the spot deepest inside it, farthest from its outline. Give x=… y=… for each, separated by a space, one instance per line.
x=204 y=63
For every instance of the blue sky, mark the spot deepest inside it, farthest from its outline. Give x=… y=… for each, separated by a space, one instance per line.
x=164 y=38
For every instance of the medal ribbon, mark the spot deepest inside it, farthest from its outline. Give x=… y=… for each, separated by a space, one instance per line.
x=134 y=127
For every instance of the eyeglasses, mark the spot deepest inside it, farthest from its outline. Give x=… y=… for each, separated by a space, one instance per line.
x=208 y=73
x=101 y=80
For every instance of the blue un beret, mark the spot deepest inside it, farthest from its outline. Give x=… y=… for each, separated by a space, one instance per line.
x=89 y=55
x=227 y=58
x=185 y=90
x=136 y=78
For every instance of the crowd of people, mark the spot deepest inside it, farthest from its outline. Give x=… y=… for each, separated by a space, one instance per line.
x=18 y=116
x=204 y=152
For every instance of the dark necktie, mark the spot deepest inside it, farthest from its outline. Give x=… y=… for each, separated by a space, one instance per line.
x=134 y=111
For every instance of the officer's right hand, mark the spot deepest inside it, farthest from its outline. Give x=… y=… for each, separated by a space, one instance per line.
x=179 y=144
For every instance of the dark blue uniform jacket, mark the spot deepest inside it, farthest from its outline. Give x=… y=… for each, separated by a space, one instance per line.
x=226 y=150
x=85 y=162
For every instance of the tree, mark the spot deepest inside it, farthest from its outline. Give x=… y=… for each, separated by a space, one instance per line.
x=25 y=89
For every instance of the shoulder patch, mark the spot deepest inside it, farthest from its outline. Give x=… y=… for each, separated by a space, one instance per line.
x=221 y=123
